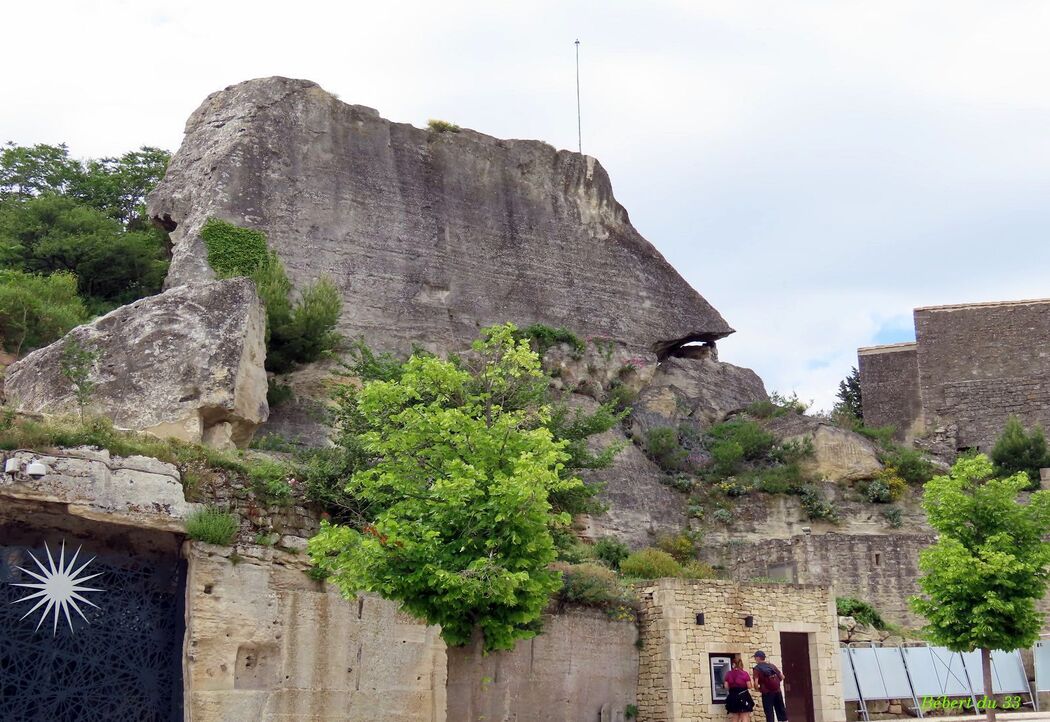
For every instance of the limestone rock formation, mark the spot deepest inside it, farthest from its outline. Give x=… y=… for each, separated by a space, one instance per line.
x=186 y=364
x=698 y=388
x=91 y=484
x=838 y=454
x=641 y=505
x=429 y=235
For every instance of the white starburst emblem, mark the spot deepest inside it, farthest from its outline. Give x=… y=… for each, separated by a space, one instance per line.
x=59 y=587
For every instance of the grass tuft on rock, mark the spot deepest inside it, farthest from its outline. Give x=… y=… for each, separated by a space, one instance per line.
x=212 y=525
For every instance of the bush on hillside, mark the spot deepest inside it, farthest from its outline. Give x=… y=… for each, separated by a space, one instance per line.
x=212 y=525
x=859 y=610
x=650 y=564
x=36 y=310
x=1017 y=450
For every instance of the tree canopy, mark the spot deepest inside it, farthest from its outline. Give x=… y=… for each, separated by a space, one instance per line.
x=458 y=515
x=84 y=220
x=982 y=578
x=849 y=396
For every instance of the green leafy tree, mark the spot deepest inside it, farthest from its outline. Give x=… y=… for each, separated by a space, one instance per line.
x=27 y=171
x=1019 y=451
x=76 y=364
x=850 y=401
x=459 y=519
x=49 y=233
x=36 y=310
x=982 y=578
x=116 y=187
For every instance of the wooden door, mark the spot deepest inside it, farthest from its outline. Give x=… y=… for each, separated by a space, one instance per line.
x=798 y=682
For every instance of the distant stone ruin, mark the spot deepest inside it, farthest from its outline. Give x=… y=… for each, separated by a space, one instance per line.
x=971 y=367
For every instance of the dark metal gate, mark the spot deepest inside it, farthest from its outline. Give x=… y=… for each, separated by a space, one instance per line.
x=121 y=662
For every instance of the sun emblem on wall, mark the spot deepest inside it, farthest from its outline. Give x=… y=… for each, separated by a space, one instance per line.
x=59 y=588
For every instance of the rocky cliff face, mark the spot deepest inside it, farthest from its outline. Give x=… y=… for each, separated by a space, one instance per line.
x=429 y=235
x=186 y=364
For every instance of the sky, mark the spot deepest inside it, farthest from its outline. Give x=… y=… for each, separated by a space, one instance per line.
x=814 y=169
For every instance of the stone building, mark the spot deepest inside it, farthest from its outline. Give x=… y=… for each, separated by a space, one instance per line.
x=971 y=367
x=690 y=629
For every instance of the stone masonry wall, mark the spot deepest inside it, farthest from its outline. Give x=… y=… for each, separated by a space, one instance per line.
x=889 y=379
x=674 y=679
x=583 y=666
x=878 y=568
x=981 y=363
x=265 y=643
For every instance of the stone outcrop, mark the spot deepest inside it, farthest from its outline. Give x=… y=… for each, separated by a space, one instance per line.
x=838 y=454
x=186 y=364
x=88 y=483
x=699 y=388
x=640 y=503
x=429 y=235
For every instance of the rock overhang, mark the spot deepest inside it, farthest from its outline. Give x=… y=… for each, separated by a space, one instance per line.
x=428 y=235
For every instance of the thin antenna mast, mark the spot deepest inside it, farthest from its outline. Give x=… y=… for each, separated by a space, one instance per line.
x=579 y=123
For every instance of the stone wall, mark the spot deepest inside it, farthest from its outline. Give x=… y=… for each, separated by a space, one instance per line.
x=880 y=569
x=674 y=680
x=264 y=643
x=889 y=379
x=972 y=366
x=981 y=363
x=583 y=668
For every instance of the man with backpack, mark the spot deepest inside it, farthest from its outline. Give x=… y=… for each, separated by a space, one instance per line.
x=767 y=680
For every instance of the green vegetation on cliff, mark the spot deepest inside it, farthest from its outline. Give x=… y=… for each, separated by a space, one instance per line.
x=297 y=331
x=1019 y=451
x=459 y=512
x=85 y=220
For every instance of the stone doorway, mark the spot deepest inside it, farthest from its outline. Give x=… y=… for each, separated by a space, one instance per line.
x=798 y=680
x=120 y=656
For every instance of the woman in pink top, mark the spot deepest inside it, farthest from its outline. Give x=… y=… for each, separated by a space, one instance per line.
x=739 y=703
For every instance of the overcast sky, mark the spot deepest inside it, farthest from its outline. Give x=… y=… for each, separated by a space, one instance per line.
x=814 y=169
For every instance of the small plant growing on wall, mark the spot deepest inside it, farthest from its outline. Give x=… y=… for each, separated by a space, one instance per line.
x=212 y=525
x=442 y=126
x=76 y=365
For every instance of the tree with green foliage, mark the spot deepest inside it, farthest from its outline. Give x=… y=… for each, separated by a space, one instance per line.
x=459 y=511
x=28 y=171
x=113 y=266
x=36 y=310
x=1019 y=451
x=573 y=426
x=116 y=187
x=982 y=578
x=76 y=364
x=850 y=401
x=86 y=218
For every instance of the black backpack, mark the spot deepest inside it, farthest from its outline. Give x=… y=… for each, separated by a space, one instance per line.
x=770 y=677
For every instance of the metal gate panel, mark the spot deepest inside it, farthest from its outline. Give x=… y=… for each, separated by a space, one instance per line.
x=114 y=662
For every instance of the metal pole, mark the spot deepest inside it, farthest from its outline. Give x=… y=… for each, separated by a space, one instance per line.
x=579 y=122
